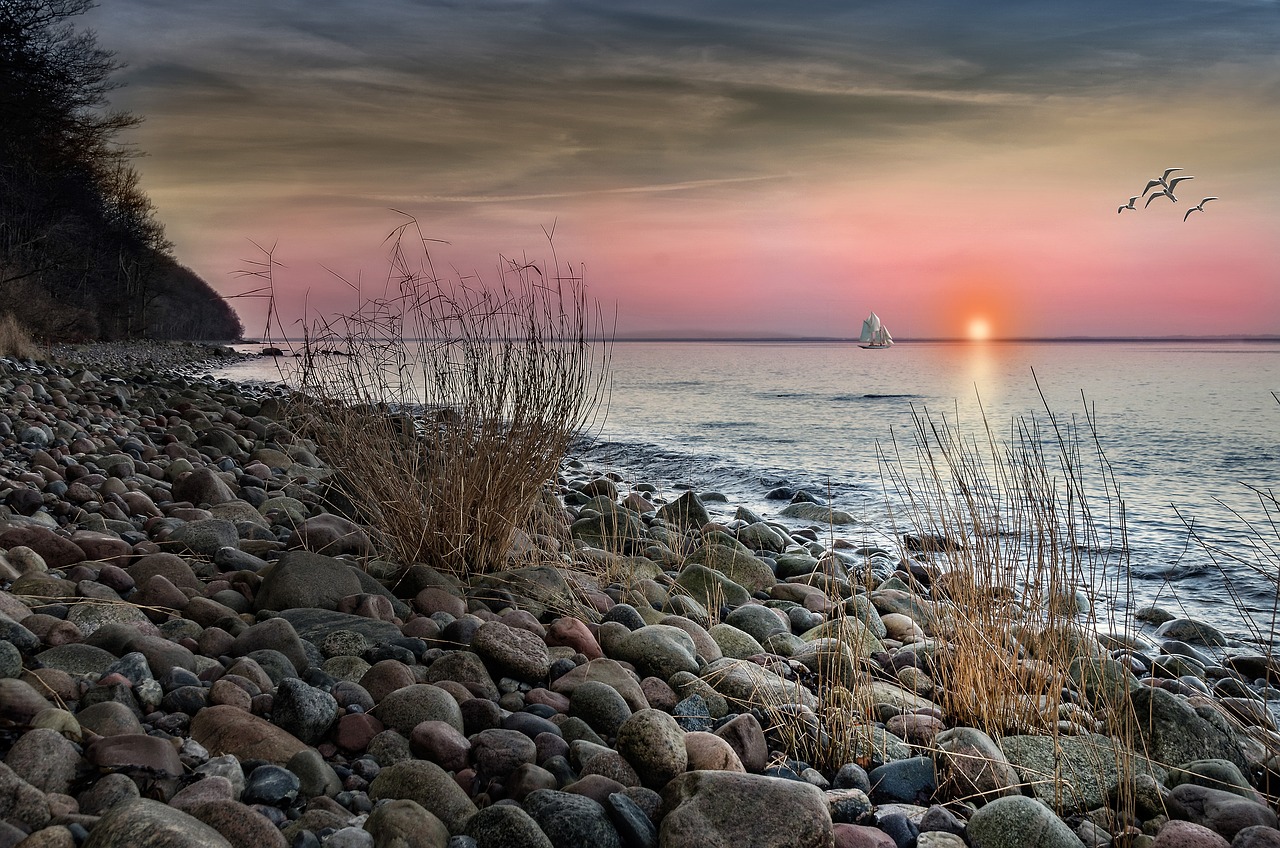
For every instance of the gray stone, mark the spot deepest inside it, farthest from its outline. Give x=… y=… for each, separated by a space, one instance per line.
x=313 y=624
x=711 y=588
x=404 y=708
x=406 y=824
x=497 y=752
x=750 y=685
x=972 y=765
x=659 y=650
x=1018 y=822
x=599 y=705
x=503 y=826
x=1222 y=812
x=20 y=802
x=571 y=821
x=758 y=621
x=11 y=659
x=1174 y=734
x=78 y=659
x=150 y=824
x=315 y=776
x=908 y=781
x=204 y=537
x=685 y=512
x=734 y=643
x=430 y=786
x=302 y=710
x=516 y=651
x=1074 y=772
x=45 y=759
x=304 y=579
x=714 y=809
x=653 y=744
x=1191 y=630
x=805 y=511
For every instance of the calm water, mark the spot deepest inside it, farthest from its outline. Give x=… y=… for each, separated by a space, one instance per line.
x=1182 y=424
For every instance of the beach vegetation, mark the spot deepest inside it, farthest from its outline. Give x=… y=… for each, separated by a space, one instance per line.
x=15 y=341
x=448 y=406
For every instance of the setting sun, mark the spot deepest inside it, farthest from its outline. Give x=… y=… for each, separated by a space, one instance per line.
x=979 y=329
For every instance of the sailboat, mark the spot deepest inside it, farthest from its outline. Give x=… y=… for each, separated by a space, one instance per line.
x=874 y=334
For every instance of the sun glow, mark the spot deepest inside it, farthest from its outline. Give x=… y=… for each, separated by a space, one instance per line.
x=979 y=329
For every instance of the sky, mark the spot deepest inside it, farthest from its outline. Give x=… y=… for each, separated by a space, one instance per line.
x=728 y=168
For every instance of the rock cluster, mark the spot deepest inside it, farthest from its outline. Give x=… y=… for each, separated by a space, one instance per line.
x=199 y=652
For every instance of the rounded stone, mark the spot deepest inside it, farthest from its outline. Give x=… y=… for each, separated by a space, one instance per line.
x=653 y=744
x=1017 y=821
x=151 y=824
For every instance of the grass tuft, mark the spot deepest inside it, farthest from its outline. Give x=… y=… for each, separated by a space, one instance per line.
x=447 y=406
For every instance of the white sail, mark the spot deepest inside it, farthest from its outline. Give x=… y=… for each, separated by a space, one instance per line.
x=874 y=333
x=870 y=328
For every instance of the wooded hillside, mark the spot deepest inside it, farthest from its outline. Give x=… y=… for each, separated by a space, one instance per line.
x=82 y=254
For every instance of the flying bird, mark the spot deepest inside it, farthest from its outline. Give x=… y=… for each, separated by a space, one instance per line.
x=1129 y=205
x=1162 y=180
x=1161 y=193
x=1173 y=183
x=1199 y=207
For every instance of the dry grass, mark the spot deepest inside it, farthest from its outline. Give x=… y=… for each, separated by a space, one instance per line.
x=1021 y=553
x=447 y=405
x=14 y=339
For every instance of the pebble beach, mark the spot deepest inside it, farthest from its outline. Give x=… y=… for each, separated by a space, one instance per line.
x=199 y=651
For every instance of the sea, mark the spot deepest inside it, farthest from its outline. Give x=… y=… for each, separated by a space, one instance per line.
x=1176 y=445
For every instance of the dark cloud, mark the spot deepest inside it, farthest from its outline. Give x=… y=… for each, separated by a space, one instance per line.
x=536 y=97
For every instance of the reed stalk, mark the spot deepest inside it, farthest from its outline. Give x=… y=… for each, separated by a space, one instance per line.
x=448 y=404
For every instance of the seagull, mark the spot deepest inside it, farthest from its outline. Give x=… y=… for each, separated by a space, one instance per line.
x=1199 y=207
x=1161 y=180
x=1129 y=205
x=1156 y=182
x=1162 y=193
x=1173 y=182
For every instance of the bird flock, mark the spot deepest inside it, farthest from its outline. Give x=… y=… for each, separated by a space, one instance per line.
x=1165 y=183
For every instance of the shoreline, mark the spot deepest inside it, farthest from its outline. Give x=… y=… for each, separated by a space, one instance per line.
x=295 y=690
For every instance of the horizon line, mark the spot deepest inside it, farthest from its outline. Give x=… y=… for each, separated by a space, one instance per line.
x=1258 y=337
x=1222 y=337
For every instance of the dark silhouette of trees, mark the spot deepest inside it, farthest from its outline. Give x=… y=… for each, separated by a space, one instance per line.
x=82 y=253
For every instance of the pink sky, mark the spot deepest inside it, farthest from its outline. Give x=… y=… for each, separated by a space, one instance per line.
x=721 y=174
